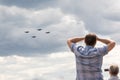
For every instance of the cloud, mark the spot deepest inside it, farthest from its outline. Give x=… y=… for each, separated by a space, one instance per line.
x=112 y=12
x=37 y=68
x=44 y=57
x=17 y=20
x=29 y=3
x=55 y=66
x=64 y=19
x=94 y=14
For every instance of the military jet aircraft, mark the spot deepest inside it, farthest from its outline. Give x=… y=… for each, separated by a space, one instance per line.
x=39 y=29
x=33 y=36
x=26 y=31
x=47 y=32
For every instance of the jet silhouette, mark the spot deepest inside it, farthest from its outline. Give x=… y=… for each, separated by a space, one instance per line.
x=33 y=36
x=39 y=29
x=47 y=32
x=26 y=31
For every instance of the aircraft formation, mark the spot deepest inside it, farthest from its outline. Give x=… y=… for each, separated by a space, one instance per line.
x=47 y=32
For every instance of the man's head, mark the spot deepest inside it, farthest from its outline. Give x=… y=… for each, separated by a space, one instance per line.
x=114 y=70
x=90 y=39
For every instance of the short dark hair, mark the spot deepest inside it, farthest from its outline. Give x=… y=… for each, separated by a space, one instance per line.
x=114 y=69
x=90 y=39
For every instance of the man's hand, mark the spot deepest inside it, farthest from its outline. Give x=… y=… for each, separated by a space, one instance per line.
x=109 y=43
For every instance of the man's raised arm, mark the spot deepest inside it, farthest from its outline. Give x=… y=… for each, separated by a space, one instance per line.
x=109 y=43
x=74 y=40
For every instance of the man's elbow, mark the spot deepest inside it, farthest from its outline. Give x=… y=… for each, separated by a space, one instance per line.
x=69 y=42
x=111 y=46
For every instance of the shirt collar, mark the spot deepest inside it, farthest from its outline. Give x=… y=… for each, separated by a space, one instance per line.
x=87 y=46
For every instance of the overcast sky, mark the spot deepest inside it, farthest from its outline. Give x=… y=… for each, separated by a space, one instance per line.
x=47 y=56
x=62 y=18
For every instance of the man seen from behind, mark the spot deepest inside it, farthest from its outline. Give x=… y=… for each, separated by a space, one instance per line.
x=89 y=58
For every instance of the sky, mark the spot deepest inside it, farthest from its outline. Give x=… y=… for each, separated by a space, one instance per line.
x=63 y=19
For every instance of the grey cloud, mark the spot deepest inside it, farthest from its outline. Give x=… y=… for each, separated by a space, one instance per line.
x=15 y=41
x=112 y=15
x=38 y=67
x=55 y=66
x=31 y=4
x=57 y=17
x=94 y=14
x=91 y=12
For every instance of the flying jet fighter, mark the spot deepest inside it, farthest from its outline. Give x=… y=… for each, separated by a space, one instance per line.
x=33 y=36
x=39 y=29
x=26 y=31
x=47 y=32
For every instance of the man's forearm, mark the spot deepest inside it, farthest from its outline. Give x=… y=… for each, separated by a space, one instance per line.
x=105 y=41
x=110 y=43
x=75 y=40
